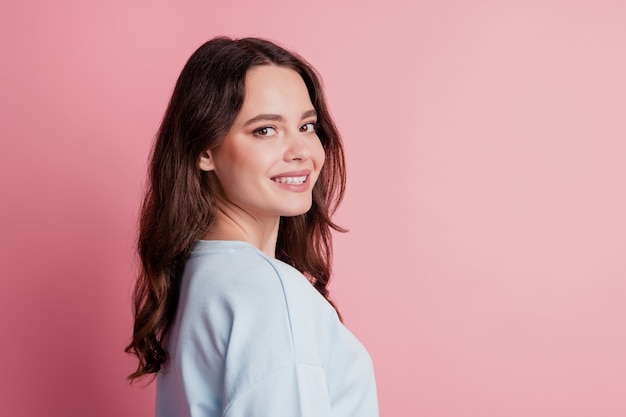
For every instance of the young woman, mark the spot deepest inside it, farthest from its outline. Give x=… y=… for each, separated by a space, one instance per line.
x=232 y=310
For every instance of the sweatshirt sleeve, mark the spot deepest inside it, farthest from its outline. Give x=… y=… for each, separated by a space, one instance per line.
x=299 y=391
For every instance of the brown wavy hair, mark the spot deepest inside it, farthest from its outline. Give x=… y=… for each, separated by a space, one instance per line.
x=179 y=204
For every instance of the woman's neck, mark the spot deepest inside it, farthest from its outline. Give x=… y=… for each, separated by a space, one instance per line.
x=232 y=224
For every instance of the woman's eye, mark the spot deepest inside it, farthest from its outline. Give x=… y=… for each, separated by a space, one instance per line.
x=265 y=131
x=308 y=128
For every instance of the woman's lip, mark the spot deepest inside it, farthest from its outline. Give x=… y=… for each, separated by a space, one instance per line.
x=294 y=187
x=302 y=173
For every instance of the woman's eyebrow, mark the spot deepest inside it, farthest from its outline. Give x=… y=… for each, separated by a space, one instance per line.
x=277 y=117
x=309 y=113
x=262 y=117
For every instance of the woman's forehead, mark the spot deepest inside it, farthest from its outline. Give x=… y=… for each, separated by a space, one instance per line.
x=276 y=90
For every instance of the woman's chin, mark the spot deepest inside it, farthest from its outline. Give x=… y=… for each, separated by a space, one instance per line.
x=296 y=210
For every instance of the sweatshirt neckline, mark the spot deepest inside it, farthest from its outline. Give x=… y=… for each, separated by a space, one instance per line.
x=204 y=245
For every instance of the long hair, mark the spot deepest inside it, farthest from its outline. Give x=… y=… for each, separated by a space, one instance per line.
x=179 y=205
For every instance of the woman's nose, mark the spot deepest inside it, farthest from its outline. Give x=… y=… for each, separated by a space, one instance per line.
x=297 y=147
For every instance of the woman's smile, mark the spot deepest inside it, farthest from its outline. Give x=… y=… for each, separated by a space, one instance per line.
x=293 y=181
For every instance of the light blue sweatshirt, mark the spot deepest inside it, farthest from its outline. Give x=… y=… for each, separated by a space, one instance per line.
x=253 y=338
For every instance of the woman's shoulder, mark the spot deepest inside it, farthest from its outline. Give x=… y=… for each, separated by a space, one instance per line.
x=230 y=269
x=236 y=272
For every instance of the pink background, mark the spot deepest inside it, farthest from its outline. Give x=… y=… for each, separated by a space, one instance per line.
x=485 y=269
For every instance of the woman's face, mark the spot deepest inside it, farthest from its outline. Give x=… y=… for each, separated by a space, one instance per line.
x=270 y=159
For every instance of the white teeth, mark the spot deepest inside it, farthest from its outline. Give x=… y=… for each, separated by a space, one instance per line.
x=290 y=180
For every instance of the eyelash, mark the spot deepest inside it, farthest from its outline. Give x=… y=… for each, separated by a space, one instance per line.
x=313 y=127
x=257 y=132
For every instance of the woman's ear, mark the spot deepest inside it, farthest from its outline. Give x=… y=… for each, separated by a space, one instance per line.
x=206 y=161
